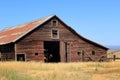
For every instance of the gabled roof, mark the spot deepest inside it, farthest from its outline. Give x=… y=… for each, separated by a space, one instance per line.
x=13 y=34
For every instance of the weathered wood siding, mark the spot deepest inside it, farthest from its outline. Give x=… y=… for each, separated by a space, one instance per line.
x=29 y=48
x=7 y=56
x=34 y=43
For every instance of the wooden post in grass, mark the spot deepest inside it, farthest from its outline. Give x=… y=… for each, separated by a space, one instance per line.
x=114 y=57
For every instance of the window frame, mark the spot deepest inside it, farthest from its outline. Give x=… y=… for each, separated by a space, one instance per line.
x=20 y=53
x=52 y=23
x=53 y=34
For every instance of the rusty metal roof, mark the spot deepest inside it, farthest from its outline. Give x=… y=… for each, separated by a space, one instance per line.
x=12 y=34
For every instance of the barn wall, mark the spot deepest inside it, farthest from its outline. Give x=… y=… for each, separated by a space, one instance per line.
x=79 y=46
x=34 y=42
x=7 y=56
x=30 y=48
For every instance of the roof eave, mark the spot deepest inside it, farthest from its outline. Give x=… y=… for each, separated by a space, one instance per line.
x=6 y=43
x=88 y=39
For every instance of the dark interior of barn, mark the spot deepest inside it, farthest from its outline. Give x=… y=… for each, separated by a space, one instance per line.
x=52 y=51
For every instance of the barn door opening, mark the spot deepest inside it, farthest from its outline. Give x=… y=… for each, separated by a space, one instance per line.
x=20 y=57
x=52 y=51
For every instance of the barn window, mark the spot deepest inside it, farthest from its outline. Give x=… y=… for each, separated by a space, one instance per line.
x=55 y=34
x=93 y=52
x=36 y=54
x=54 y=23
x=80 y=52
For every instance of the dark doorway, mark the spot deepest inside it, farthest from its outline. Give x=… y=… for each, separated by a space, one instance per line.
x=20 y=57
x=52 y=51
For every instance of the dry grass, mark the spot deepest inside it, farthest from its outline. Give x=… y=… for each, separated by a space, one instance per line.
x=58 y=71
x=110 y=53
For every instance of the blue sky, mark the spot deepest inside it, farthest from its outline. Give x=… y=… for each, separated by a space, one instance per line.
x=97 y=20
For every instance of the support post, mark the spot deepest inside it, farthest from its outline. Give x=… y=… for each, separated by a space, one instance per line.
x=66 y=51
x=15 y=52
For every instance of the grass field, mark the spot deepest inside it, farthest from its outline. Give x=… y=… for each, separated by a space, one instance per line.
x=113 y=52
x=59 y=71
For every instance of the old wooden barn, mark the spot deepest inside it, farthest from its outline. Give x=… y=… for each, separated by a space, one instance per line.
x=48 y=39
